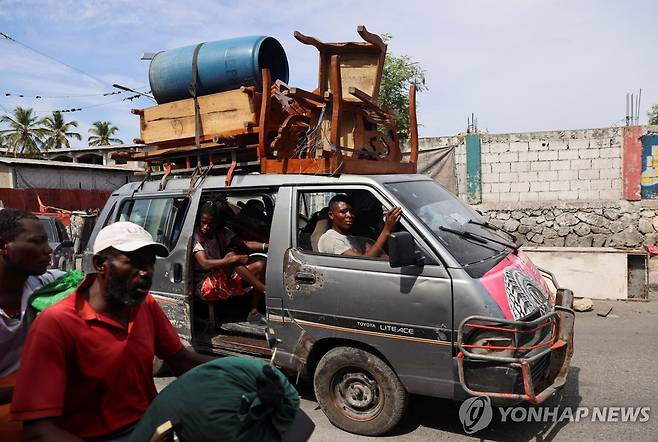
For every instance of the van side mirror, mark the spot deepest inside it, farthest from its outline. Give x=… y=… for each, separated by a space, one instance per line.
x=402 y=251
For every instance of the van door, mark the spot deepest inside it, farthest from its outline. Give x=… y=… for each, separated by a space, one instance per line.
x=405 y=314
x=164 y=217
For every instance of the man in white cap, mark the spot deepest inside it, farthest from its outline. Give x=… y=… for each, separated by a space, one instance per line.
x=87 y=361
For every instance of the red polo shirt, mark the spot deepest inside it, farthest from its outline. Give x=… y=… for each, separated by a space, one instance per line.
x=87 y=370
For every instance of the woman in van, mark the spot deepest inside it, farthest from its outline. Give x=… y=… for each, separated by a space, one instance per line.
x=221 y=272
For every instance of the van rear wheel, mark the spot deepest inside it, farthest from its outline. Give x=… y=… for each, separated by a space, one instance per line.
x=359 y=392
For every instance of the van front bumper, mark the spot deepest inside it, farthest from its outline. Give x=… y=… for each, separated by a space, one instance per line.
x=485 y=371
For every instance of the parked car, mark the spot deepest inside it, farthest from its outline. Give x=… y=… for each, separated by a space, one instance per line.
x=63 y=256
x=455 y=309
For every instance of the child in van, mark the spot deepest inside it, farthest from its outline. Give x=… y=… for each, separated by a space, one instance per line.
x=222 y=273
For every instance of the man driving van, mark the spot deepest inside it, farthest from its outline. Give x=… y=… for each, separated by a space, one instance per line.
x=337 y=241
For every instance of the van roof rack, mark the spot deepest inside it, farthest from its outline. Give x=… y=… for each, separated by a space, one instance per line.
x=185 y=161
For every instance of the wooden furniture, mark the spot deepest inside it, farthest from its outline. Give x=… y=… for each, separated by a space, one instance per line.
x=339 y=127
x=361 y=63
x=225 y=114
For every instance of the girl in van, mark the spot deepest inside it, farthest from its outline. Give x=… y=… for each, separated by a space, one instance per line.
x=221 y=272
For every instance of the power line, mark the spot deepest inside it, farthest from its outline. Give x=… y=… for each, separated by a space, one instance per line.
x=103 y=94
x=7 y=37
x=79 y=109
x=127 y=89
x=38 y=97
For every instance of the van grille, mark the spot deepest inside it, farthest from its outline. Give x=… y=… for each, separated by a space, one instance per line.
x=539 y=371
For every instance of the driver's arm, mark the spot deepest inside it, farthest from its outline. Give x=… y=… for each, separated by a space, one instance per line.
x=392 y=218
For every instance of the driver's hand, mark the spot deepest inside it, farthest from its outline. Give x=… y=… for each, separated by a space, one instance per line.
x=392 y=218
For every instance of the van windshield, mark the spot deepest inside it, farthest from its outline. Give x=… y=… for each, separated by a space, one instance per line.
x=463 y=232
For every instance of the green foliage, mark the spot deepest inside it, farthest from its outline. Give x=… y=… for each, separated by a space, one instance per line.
x=653 y=115
x=102 y=132
x=25 y=134
x=399 y=73
x=59 y=132
x=29 y=136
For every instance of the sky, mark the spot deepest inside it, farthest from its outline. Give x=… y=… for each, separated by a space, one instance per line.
x=518 y=65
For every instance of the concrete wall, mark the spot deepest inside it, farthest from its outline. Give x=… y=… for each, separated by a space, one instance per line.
x=573 y=165
x=581 y=165
x=6 y=177
x=559 y=188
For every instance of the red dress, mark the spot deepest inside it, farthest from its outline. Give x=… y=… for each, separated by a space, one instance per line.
x=217 y=285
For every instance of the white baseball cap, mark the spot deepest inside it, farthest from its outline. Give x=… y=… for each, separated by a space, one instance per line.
x=127 y=237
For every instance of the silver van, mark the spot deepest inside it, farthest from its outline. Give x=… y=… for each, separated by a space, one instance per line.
x=454 y=310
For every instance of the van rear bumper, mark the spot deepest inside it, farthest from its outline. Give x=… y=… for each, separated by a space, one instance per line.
x=534 y=377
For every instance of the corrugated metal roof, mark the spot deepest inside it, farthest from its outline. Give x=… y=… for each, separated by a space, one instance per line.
x=60 y=164
x=92 y=148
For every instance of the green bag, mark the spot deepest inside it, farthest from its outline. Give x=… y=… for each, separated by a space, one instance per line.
x=227 y=399
x=55 y=291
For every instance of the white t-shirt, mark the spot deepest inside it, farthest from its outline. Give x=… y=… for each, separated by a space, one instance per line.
x=336 y=243
x=14 y=330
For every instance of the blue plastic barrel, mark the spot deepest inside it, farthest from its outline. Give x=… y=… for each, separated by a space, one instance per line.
x=222 y=65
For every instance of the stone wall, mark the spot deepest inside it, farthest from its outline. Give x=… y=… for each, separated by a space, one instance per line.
x=596 y=224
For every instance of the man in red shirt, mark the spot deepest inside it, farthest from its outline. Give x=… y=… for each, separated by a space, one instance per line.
x=87 y=361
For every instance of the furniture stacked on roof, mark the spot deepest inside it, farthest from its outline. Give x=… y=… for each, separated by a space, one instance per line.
x=269 y=126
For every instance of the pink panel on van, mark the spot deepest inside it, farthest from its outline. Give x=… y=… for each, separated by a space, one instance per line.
x=517 y=286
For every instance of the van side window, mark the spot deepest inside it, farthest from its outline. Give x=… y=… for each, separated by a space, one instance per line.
x=162 y=217
x=353 y=233
x=249 y=214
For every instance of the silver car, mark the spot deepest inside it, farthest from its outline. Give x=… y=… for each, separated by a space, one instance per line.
x=63 y=256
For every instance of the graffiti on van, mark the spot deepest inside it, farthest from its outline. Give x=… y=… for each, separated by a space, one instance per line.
x=517 y=287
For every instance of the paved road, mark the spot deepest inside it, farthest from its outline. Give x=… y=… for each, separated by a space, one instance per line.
x=614 y=364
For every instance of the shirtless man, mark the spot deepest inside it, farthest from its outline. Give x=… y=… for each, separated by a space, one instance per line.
x=337 y=241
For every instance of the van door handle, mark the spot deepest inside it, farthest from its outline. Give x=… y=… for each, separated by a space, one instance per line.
x=305 y=278
x=178 y=272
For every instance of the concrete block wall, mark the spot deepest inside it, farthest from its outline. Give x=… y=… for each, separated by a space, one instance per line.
x=565 y=165
x=573 y=165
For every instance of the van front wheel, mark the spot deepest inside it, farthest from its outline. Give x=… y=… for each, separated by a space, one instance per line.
x=359 y=392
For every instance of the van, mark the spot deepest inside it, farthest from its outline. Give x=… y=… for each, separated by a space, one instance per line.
x=453 y=310
x=63 y=256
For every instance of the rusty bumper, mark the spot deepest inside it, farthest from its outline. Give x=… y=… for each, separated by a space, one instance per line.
x=537 y=368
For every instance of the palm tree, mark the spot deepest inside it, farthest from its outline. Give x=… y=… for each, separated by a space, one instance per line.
x=59 y=132
x=26 y=132
x=102 y=133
